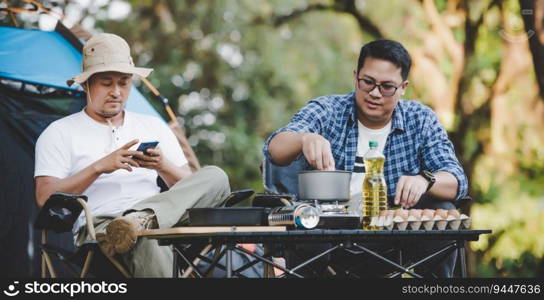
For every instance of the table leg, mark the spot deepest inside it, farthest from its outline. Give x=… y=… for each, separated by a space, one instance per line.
x=449 y=248
x=229 y=261
x=268 y=261
x=183 y=256
x=175 y=263
x=462 y=260
x=268 y=270
x=400 y=259
x=388 y=261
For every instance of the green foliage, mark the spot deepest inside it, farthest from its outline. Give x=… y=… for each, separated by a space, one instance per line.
x=257 y=75
x=516 y=220
x=233 y=77
x=527 y=265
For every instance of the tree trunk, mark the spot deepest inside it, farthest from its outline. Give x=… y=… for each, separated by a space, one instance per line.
x=532 y=12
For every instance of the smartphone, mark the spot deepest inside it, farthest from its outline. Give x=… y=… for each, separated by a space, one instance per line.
x=147 y=145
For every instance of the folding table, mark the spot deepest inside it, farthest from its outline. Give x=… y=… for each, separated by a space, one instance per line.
x=227 y=239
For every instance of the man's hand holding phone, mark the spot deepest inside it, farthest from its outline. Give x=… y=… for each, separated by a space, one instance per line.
x=149 y=156
x=146 y=146
x=122 y=158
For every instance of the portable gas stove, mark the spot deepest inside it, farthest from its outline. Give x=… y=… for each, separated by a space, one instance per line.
x=311 y=214
x=334 y=214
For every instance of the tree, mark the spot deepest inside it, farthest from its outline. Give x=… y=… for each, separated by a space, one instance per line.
x=237 y=70
x=533 y=17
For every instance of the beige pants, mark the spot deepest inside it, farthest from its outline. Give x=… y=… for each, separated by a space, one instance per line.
x=206 y=188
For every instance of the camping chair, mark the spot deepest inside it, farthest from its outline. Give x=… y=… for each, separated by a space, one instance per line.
x=58 y=214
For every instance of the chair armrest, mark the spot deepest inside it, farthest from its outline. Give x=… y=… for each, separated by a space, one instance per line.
x=463 y=202
x=60 y=212
x=236 y=197
x=88 y=218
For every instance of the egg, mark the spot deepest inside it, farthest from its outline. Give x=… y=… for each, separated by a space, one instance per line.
x=440 y=214
x=390 y=213
x=403 y=213
x=427 y=214
x=388 y=222
x=416 y=213
x=412 y=215
x=453 y=214
x=466 y=221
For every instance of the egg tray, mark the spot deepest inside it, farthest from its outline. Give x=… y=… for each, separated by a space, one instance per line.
x=384 y=223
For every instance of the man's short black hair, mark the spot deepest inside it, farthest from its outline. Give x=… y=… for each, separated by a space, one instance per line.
x=389 y=50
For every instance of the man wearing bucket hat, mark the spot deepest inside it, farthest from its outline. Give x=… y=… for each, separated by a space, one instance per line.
x=92 y=152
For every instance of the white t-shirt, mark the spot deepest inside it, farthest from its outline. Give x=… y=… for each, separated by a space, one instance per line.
x=72 y=143
x=356 y=185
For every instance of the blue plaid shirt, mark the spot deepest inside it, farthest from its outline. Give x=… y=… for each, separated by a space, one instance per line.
x=417 y=140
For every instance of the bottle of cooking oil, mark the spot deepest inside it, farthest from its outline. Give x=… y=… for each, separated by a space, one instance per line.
x=374 y=186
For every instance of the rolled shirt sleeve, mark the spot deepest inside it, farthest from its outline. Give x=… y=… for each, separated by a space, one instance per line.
x=439 y=155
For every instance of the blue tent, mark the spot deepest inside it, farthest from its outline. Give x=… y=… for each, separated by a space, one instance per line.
x=34 y=67
x=48 y=58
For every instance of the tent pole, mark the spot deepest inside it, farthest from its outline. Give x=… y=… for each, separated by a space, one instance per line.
x=176 y=128
x=13 y=19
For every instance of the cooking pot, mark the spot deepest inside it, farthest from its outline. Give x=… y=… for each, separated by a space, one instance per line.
x=324 y=185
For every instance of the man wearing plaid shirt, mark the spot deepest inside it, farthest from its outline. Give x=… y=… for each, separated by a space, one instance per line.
x=332 y=132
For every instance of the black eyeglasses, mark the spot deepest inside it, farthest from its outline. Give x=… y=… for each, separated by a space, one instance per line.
x=386 y=89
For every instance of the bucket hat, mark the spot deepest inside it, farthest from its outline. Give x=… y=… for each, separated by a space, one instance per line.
x=106 y=52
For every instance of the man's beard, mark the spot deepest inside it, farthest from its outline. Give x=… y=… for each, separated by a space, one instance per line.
x=111 y=113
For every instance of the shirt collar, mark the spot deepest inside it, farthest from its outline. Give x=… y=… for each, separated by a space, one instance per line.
x=398 y=117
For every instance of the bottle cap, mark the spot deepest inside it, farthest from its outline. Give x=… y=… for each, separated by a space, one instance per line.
x=372 y=144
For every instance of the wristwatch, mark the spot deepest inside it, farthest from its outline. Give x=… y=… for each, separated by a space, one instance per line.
x=430 y=178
